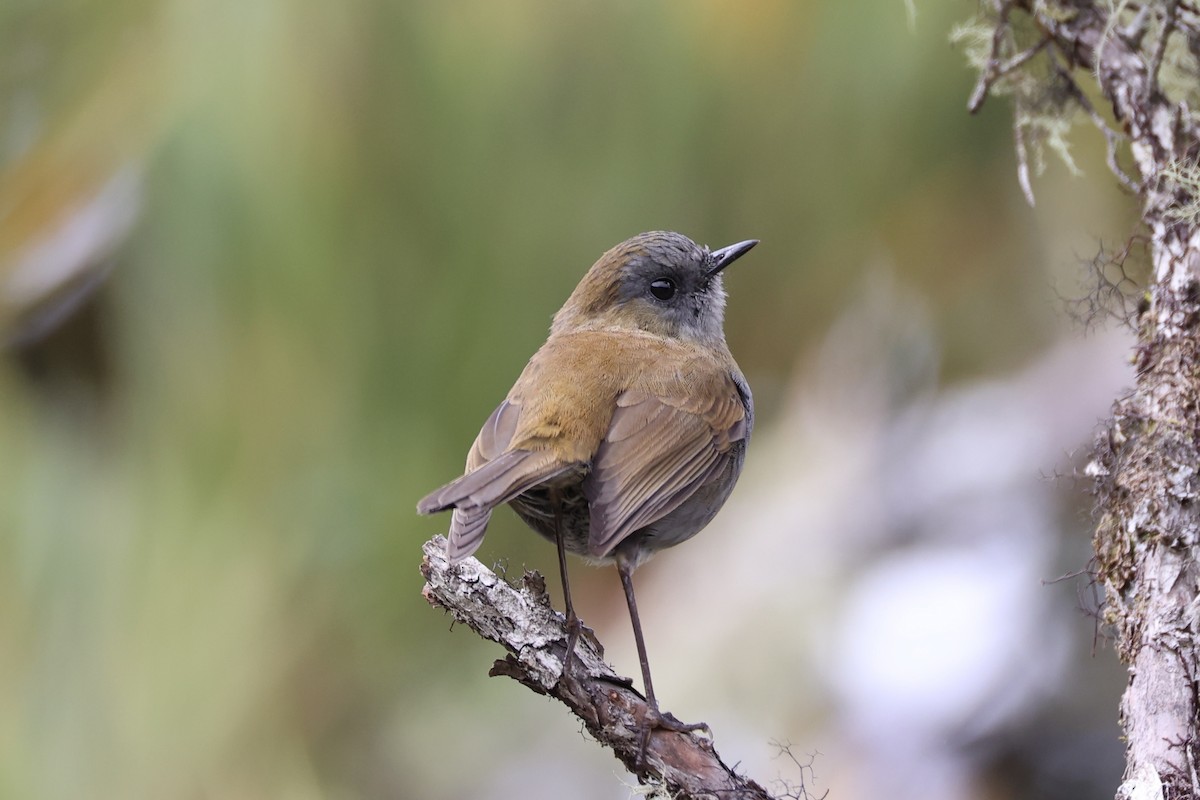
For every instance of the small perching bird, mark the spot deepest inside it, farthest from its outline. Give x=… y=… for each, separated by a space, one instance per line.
x=627 y=430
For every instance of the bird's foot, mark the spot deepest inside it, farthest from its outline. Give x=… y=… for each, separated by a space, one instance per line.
x=668 y=721
x=656 y=719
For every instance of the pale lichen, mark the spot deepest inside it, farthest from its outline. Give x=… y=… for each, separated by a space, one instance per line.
x=1184 y=179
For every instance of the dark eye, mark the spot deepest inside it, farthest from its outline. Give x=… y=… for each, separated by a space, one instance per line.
x=662 y=288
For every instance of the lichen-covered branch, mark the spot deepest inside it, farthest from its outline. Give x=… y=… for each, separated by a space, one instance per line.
x=1143 y=59
x=521 y=619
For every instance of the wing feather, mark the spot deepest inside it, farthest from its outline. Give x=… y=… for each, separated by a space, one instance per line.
x=496 y=434
x=659 y=450
x=494 y=476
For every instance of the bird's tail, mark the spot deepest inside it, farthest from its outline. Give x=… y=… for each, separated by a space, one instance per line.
x=474 y=495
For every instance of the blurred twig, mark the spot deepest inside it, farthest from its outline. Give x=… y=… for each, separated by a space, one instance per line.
x=521 y=619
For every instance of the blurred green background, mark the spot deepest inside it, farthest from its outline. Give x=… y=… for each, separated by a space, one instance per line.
x=328 y=237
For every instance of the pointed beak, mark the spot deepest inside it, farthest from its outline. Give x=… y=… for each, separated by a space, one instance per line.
x=727 y=255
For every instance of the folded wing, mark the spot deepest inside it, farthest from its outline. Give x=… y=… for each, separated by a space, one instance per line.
x=659 y=450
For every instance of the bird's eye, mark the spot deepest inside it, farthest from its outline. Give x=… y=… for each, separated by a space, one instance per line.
x=662 y=288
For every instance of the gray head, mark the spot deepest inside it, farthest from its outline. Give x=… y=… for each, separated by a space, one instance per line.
x=660 y=282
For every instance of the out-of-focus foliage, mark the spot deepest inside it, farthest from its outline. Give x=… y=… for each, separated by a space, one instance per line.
x=348 y=226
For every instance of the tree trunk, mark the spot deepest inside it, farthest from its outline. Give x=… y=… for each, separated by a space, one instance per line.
x=1146 y=464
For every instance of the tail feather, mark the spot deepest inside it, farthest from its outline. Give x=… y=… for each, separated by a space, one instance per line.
x=466 y=533
x=474 y=495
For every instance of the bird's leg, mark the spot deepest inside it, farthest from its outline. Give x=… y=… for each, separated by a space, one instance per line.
x=573 y=623
x=654 y=717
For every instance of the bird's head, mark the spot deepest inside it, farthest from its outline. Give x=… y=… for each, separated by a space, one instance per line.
x=659 y=282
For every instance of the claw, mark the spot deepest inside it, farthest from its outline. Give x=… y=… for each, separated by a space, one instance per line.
x=655 y=719
x=573 y=626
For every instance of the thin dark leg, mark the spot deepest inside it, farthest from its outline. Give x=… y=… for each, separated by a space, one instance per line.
x=654 y=717
x=626 y=573
x=573 y=623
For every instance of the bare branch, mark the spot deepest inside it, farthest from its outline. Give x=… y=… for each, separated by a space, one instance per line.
x=521 y=619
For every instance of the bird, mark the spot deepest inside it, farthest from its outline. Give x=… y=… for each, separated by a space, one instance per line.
x=626 y=431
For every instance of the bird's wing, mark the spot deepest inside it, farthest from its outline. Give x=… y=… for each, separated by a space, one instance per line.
x=494 y=476
x=660 y=448
x=495 y=435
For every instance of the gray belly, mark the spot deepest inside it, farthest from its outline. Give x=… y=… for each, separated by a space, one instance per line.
x=536 y=508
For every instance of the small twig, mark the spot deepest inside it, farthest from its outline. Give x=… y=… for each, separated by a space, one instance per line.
x=1161 y=48
x=1112 y=139
x=521 y=619
x=994 y=72
x=1112 y=293
x=1022 y=156
x=799 y=791
x=987 y=75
